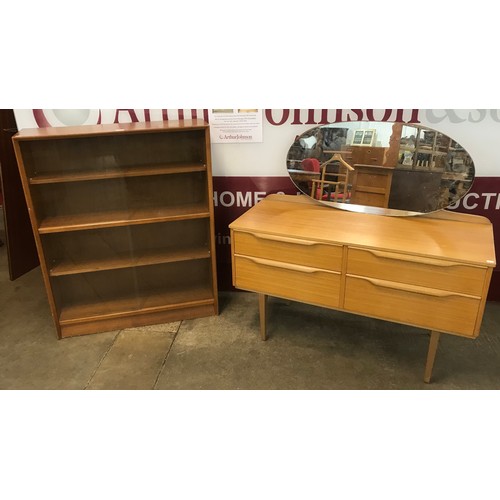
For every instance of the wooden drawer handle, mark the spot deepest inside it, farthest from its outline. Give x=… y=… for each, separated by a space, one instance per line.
x=284 y=265
x=403 y=287
x=415 y=259
x=284 y=239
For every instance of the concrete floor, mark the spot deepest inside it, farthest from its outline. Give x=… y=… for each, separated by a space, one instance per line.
x=308 y=348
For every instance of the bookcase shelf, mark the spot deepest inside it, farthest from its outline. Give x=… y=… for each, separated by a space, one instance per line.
x=115 y=173
x=112 y=218
x=130 y=305
x=123 y=220
x=124 y=260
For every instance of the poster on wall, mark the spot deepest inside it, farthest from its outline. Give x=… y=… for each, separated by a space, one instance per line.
x=235 y=125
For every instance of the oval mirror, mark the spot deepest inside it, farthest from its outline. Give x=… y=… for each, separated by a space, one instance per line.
x=379 y=167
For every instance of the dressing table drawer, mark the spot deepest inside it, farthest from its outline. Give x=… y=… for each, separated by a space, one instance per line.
x=290 y=250
x=414 y=270
x=290 y=281
x=415 y=305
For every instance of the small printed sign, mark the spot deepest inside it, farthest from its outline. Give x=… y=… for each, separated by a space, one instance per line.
x=235 y=125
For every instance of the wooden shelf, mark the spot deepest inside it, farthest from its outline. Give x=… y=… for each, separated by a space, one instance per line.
x=433 y=148
x=124 y=222
x=124 y=260
x=154 y=301
x=116 y=173
x=423 y=150
x=115 y=218
x=430 y=151
x=110 y=130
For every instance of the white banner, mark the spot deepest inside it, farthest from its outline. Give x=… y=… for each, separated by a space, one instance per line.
x=477 y=130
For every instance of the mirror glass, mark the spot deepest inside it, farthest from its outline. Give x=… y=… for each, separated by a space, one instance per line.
x=380 y=167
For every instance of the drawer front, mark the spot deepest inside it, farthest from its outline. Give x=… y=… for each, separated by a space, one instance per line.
x=372 y=156
x=289 y=281
x=291 y=250
x=371 y=181
x=423 y=307
x=421 y=271
x=367 y=155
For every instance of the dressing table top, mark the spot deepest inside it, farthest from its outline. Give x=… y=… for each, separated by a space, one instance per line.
x=444 y=235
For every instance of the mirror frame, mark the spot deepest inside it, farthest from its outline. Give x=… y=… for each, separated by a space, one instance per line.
x=334 y=168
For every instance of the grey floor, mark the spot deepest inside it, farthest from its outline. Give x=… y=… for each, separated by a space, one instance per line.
x=308 y=348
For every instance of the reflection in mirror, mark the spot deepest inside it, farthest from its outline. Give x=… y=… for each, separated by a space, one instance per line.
x=380 y=167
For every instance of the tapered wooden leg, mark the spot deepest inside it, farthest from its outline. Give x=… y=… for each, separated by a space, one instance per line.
x=263 y=315
x=431 y=355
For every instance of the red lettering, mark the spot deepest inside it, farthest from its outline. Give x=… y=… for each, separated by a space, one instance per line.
x=324 y=117
x=40 y=119
x=413 y=118
x=358 y=113
x=296 y=117
x=180 y=114
x=310 y=117
x=371 y=116
x=284 y=116
x=399 y=115
x=131 y=113
x=388 y=114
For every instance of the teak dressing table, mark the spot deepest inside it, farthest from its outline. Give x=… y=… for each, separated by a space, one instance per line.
x=431 y=271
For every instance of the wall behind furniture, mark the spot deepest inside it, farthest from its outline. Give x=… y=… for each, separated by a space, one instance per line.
x=245 y=172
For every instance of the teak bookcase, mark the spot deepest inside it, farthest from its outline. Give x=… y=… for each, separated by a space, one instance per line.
x=123 y=221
